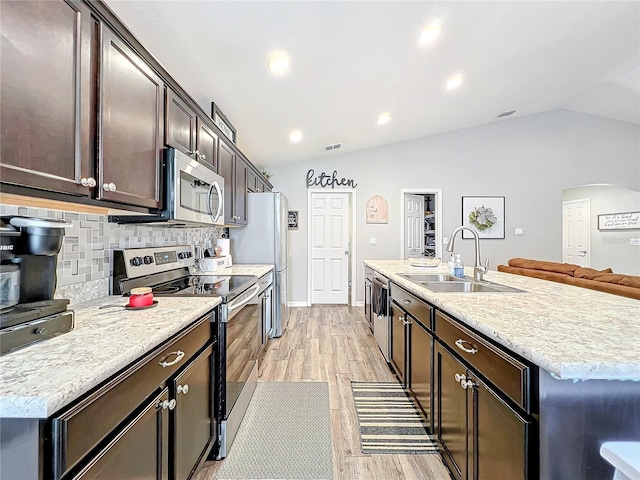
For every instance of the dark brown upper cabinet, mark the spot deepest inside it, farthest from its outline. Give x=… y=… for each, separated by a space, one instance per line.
x=46 y=96
x=234 y=171
x=189 y=132
x=130 y=126
x=206 y=144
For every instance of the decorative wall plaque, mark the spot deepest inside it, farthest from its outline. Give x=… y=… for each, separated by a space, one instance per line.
x=377 y=210
x=292 y=219
x=619 y=221
x=223 y=123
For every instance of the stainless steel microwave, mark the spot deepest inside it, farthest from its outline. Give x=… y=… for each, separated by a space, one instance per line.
x=195 y=193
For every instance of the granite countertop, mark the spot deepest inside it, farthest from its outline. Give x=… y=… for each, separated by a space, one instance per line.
x=38 y=380
x=245 y=269
x=572 y=332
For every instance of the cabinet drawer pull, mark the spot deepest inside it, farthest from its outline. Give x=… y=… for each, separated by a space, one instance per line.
x=184 y=389
x=179 y=356
x=460 y=344
x=170 y=404
x=406 y=301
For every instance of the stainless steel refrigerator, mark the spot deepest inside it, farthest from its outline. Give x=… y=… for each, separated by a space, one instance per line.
x=264 y=240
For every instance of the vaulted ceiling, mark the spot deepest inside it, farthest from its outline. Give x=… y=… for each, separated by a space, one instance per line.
x=352 y=60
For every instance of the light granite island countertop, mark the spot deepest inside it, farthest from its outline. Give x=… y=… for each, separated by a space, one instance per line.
x=571 y=332
x=257 y=270
x=38 y=380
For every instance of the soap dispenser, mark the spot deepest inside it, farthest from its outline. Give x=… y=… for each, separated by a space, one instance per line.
x=458 y=267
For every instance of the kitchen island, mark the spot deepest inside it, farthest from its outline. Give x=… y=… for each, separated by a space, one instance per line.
x=39 y=381
x=580 y=347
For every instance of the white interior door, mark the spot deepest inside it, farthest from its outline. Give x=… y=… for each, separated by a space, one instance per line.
x=576 y=231
x=330 y=248
x=414 y=225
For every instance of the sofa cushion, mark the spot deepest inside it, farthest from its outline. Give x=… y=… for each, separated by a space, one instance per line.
x=616 y=278
x=583 y=271
x=566 y=268
x=529 y=272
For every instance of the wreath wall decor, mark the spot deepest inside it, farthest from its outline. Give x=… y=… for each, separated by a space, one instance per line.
x=482 y=218
x=484 y=215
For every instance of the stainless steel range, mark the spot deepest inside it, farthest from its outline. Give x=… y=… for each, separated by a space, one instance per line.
x=168 y=271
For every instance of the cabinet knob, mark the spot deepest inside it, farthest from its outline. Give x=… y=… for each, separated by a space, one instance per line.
x=203 y=156
x=88 y=182
x=195 y=153
x=468 y=384
x=109 y=187
x=402 y=318
x=459 y=378
x=407 y=322
x=167 y=404
x=184 y=389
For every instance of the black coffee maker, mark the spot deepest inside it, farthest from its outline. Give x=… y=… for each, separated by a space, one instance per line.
x=34 y=245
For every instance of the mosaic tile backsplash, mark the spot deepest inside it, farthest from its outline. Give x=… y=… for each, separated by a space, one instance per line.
x=87 y=251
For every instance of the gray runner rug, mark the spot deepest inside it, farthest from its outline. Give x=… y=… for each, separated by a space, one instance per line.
x=285 y=434
x=389 y=420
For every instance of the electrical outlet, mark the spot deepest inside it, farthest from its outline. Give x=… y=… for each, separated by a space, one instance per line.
x=634 y=241
x=373 y=242
x=519 y=231
x=445 y=240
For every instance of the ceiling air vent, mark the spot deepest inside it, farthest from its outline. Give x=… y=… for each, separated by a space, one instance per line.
x=335 y=146
x=506 y=114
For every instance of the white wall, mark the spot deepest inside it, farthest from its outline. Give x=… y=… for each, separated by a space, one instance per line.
x=610 y=248
x=529 y=160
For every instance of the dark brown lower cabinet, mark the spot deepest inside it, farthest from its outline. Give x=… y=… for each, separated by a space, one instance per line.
x=481 y=436
x=130 y=454
x=192 y=422
x=398 y=341
x=421 y=361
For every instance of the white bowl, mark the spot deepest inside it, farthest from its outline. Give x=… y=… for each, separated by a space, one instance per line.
x=424 y=262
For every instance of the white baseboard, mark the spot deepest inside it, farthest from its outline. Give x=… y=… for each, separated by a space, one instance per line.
x=298 y=304
x=359 y=303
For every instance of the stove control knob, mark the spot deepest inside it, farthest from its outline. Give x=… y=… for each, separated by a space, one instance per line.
x=136 y=261
x=182 y=255
x=148 y=260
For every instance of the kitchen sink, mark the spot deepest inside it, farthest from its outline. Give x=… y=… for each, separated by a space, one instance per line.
x=444 y=283
x=434 y=277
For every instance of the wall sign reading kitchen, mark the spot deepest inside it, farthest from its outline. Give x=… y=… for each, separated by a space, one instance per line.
x=325 y=180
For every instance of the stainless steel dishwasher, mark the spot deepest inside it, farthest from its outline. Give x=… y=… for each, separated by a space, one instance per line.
x=380 y=313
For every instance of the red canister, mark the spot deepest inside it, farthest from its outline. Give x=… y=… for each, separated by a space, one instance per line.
x=141 y=297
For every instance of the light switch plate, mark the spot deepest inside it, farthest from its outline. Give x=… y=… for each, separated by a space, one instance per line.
x=519 y=231
x=373 y=242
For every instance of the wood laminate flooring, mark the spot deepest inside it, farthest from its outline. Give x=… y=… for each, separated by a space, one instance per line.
x=333 y=343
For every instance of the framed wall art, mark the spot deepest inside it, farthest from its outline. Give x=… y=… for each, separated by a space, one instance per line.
x=485 y=215
x=292 y=219
x=619 y=221
x=223 y=123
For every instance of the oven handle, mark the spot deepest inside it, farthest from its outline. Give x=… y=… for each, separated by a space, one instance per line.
x=242 y=303
x=220 y=200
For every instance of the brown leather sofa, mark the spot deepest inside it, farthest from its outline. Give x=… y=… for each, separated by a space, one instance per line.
x=601 y=280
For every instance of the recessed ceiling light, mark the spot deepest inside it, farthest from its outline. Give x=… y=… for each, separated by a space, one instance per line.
x=295 y=136
x=454 y=82
x=430 y=33
x=383 y=118
x=278 y=62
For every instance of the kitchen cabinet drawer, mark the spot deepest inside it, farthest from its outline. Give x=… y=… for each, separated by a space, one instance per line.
x=79 y=429
x=503 y=370
x=130 y=452
x=413 y=305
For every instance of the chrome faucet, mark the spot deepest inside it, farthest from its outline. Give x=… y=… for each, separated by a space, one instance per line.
x=478 y=269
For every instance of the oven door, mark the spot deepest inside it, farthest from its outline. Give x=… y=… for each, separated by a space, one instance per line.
x=243 y=346
x=198 y=192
